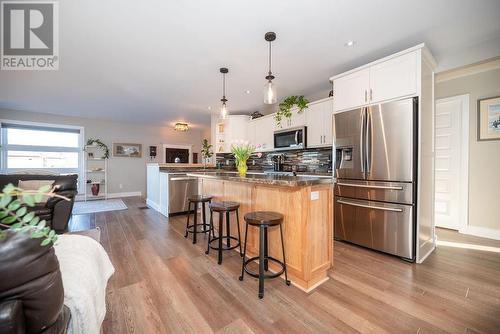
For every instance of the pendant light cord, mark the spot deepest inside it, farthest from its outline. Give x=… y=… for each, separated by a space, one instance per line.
x=270 y=58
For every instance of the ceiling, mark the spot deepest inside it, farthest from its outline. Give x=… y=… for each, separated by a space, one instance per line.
x=157 y=61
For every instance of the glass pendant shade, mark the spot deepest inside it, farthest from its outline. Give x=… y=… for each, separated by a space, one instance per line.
x=223 y=111
x=270 y=96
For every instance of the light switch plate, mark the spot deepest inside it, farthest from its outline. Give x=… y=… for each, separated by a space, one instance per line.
x=314 y=195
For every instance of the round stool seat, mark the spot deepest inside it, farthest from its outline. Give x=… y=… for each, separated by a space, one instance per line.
x=224 y=206
x=199 y=198
x=267 y=218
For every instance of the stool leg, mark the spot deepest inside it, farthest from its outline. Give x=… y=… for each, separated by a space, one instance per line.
x=266 y=255
x=195 y=225
x=261 y=262
x=211 y=221
x=284 y=260
x=212 y=227
x=204 y=215
x=239 y=233
x=228 y=232
x=187 y=223
x=221 y=218
x=244 y=253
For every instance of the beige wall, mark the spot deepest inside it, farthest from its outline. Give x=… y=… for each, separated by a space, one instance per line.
x=484 y=156
x=130 y=173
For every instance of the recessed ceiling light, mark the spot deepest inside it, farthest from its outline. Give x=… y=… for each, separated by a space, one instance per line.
x=209 y=108
x=350 y=43
x=247 y=91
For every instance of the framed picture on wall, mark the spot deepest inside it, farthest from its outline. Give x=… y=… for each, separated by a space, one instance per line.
x=127 y=150
x=488 y=118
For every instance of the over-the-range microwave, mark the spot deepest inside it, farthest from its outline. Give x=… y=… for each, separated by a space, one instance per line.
x=290 y=139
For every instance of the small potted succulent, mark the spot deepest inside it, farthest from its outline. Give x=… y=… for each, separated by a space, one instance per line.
x=242 y=150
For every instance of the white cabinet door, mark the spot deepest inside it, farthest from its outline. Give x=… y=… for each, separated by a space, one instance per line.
x=251 y=133
x=315 y=126
x=393 y=78
x=264 y=133
x=297 y=119
x=327 y=108
x=351 y=91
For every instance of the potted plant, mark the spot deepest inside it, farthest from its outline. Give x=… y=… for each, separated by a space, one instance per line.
x=285 y=107
x=206 y=151
x=242 y=150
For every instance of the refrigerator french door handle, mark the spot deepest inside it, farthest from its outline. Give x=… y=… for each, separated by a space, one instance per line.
x=362 y=142
x=369 y=186
x=368 y=140
x=370 y=206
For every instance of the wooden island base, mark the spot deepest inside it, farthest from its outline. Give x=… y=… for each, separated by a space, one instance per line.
x=307 y=227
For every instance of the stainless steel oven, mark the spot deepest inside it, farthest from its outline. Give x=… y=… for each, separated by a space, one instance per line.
x=290 y=139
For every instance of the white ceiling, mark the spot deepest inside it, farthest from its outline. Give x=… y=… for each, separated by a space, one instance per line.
x=158 y=60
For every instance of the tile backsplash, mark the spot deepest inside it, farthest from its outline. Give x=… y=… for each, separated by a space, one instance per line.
x=314 y=160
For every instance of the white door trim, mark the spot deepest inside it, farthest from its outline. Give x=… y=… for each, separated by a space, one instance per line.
x=464 y=161
x=186 y=147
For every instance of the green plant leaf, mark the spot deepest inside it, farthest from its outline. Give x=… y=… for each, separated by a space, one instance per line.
x=16 y=226
x=28 y=217
x=9 y=188
x=38 y=197
x=6 y=199
x=45 y=189
x=45 y=242
x=34 y=221
x=35 y=234
x=41 y=224
x=29 y=200
x=9 y=220
x=21 y=212
x=52 y=233
x=14 y=205
x=3 y=214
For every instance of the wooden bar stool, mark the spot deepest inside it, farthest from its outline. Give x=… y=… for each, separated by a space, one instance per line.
x=223 y=208
x=195 y=200
x=263 y=220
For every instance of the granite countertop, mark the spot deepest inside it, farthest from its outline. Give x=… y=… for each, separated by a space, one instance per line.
x=275 y=180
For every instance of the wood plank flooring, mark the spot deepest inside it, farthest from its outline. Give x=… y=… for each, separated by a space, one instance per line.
x=165 y=284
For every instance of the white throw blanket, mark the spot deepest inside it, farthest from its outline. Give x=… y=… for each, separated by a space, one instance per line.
x=85 y=269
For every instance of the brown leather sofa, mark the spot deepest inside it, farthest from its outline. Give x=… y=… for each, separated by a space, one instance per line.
x=31 y=290
x=55 y=211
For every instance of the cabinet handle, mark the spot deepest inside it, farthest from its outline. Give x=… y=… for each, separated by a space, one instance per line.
x=321 y=139
x=371 y=94
x=366 y=95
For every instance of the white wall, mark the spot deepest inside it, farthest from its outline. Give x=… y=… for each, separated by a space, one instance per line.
x=130 y=173
x=484 y=156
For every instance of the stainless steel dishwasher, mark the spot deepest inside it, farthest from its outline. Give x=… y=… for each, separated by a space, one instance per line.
x=180 y=187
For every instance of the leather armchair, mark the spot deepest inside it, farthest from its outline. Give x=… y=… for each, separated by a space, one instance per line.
x=56 y=211
x=31 y=290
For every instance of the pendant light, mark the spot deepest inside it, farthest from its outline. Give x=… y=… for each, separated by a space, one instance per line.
x=223 y=110
x=270 y=96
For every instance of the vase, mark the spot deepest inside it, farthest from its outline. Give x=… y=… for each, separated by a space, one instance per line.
x=242 y=167
x=95 y=189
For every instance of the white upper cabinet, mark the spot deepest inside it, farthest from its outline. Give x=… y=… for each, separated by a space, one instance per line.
x=383 y=80
x=297 y=119
x=264 y=128
x=319 y=123
x=351 y=90
x=393 y=78
x=233 y=128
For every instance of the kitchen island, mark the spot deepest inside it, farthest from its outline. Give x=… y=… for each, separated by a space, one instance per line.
x=305 y=202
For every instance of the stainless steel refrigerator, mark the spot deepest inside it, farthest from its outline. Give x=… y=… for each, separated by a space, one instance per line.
x=375 y=160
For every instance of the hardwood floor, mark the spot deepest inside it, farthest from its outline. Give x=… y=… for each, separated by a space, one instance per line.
x=165 y=284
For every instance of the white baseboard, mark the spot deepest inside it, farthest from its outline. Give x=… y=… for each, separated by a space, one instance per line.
x=482 y=232
x=153 y=205
x=126 y=194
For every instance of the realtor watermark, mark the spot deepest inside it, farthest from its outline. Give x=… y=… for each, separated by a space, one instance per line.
x=29 y=35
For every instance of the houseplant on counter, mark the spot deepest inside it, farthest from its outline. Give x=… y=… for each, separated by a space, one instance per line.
x=242 y=150
x=206 y=151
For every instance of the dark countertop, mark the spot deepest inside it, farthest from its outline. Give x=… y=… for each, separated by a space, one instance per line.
x=275 y=180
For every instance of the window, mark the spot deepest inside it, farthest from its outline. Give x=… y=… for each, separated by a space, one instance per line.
x=39 y=146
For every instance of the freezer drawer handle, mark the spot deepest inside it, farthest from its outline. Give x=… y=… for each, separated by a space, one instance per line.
x=370 y=206
x=369 y=186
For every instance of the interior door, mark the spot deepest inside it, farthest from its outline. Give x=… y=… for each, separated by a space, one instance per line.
x=348 y=137
x=448 y=162
x=390 y=141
